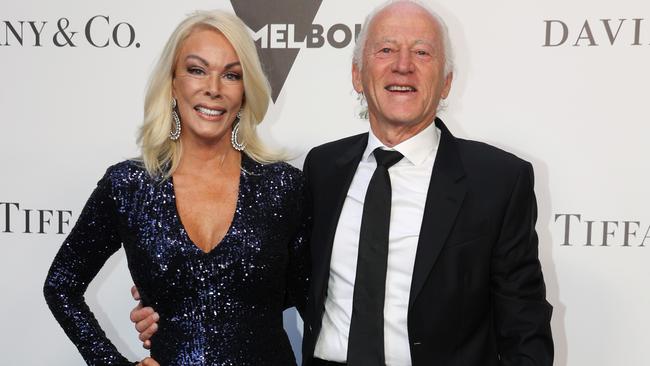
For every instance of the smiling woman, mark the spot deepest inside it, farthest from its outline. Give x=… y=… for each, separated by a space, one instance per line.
x=208 y=85
x=162 y=155
x=212 y=225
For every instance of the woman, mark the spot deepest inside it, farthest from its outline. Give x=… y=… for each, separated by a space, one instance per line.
x=211 y=224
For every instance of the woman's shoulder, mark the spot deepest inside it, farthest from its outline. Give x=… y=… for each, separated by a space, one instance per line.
x=126 y=170
x=280 y=173
x=284 y=170
x=127 y=173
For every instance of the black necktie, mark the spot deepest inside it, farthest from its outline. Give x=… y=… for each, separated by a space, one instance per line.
x=366 y=338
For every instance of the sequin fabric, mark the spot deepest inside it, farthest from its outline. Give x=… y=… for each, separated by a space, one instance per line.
x=223 y=307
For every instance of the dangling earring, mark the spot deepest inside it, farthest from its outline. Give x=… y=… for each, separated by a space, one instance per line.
x=175 y=133
x=234 y=140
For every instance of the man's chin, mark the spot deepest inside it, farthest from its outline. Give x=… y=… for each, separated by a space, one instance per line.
x=405 y=120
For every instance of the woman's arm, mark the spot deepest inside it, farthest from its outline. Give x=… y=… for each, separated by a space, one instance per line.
x=91 y=242
x=299 y=268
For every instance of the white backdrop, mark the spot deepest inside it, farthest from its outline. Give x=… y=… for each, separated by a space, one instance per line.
x=575 y=106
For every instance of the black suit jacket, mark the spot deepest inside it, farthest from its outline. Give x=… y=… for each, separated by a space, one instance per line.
x=477 y=294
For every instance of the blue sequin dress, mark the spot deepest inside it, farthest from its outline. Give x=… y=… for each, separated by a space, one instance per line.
x=223 y=307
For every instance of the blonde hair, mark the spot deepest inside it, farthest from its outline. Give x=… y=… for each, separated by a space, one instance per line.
x=161 y=155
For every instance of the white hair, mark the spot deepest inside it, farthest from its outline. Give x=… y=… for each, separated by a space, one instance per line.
x=360 y=46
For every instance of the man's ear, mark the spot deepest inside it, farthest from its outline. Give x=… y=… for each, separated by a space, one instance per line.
x=356 y=79
x=447 y=86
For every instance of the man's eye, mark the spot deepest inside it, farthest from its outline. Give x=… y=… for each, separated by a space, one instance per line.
x=421 y=53
x=385 y=50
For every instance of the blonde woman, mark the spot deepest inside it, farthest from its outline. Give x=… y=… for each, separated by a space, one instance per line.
x=211 y=223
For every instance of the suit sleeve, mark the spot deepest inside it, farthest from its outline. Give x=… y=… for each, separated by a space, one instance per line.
x=91 y=242
x=521 y=313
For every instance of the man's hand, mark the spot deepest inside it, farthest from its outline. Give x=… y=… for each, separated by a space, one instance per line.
x=145 y=319
x=148 y=362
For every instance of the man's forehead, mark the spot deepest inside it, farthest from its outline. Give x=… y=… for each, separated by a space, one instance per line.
x=384 y=25
x=401 y=11
x=417 y=41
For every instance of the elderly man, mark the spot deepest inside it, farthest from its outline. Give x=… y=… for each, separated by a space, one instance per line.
x=424 y=250
x=443 y=271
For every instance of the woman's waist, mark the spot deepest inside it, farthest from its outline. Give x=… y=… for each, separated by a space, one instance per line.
x=201 y=342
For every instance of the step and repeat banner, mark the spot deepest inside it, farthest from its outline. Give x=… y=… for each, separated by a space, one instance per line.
x=561 y=84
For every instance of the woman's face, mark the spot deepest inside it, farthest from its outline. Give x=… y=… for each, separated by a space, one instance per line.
x=208 y=86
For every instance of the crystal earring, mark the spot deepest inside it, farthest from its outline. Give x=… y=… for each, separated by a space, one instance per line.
x=175 y=133
x=234 y=138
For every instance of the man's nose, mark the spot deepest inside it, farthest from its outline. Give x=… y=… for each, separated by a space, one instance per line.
x=404 y=62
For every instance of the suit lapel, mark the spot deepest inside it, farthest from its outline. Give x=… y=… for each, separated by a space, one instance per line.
x=445 y=196
x=346 y=166
x=335 y=191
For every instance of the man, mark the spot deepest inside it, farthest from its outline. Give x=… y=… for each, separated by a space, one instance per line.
x=427 y=256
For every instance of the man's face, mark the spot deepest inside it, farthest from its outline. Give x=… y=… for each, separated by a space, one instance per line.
x=403 y=62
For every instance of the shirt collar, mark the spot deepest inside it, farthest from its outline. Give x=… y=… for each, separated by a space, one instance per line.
x=415 y=149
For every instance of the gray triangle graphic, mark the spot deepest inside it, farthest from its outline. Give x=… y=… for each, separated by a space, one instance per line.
x=277 y=62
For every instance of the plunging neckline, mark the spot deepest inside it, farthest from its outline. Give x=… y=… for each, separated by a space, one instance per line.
x=229 y=232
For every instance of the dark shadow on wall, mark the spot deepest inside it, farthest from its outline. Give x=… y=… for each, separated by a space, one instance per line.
x=546 y=249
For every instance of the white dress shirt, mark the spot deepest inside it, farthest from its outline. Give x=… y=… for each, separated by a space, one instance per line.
x=410 y=179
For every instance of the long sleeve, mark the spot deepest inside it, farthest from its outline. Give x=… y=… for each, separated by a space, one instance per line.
x=521 y=313
x=91 y=242
x=299 y=268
